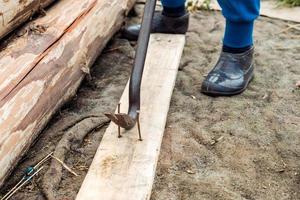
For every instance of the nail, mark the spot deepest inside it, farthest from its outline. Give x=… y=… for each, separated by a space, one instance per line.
x=119 y=128
x=139 y=125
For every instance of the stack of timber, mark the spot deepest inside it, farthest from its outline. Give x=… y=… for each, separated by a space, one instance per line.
x=42 y=69
x=14 y=12
x=124 y=168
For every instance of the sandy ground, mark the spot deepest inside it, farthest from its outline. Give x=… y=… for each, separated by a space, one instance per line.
x=243 y=147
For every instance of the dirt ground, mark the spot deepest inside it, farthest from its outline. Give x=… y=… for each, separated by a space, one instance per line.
x=242 y=147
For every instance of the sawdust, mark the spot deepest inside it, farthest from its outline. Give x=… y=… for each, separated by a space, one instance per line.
x=243 y=147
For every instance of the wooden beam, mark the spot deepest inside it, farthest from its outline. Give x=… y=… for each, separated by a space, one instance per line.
x=272 y=10
x=22 y=54
x=124 y=169
x=15 y=12
x=49 y=73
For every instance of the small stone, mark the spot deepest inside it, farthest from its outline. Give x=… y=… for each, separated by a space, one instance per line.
x=190 y=171
x=193 y=97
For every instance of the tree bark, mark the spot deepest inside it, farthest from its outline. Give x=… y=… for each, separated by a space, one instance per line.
x=42 y=69
x=15 y=12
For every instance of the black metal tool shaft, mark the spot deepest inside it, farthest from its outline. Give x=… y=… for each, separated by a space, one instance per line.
x=140 y=58
x=129 y=120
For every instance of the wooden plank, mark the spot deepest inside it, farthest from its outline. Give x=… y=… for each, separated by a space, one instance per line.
x=14 y=12
x=125 y=168
x=55 y=76
x=273 y=10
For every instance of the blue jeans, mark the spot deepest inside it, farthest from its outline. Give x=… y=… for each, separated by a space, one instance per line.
x=240 y=16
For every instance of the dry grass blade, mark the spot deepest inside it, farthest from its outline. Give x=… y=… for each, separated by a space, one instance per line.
x=65 y=166
x=290 y=26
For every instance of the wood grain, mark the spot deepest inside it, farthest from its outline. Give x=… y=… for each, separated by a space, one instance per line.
x=24 y=53
x=15 y=12
x=124 y=169
x=49 y=73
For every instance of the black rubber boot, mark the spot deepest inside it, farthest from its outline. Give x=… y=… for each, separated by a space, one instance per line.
x=231 y=75
x=160 y=24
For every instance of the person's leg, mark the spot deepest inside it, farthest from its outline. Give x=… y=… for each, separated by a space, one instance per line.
x=173 y=3
x=240 y=16
x=173 y=8
x=173 y=19
x=235 y=69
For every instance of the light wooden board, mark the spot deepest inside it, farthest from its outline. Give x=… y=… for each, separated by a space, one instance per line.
x=124 y=169
x=273 y=10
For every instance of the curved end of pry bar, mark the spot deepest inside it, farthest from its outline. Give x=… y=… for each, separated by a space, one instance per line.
x=123 y=120
x=128 y=121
